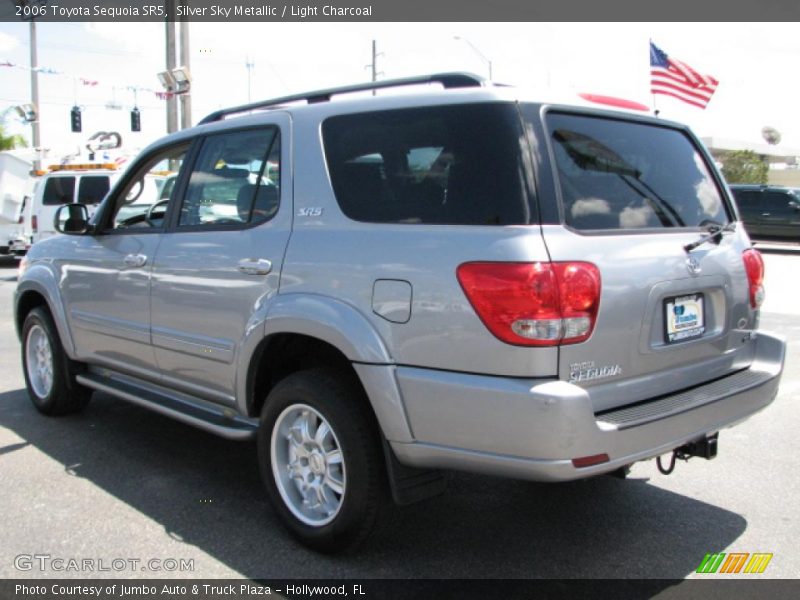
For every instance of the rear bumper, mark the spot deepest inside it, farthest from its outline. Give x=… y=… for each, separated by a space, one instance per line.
x=532 y=429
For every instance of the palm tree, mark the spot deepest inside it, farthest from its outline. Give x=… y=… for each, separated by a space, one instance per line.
x=9 y=141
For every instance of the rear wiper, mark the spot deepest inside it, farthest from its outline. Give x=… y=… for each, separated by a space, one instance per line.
x=714 y=236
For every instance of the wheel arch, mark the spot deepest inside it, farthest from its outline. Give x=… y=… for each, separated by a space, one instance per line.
x=40 y=292
x=306 y=331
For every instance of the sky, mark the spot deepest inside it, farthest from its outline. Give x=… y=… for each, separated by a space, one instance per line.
x=755 y=63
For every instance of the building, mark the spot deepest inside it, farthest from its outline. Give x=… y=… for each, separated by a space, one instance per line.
x=784 y=162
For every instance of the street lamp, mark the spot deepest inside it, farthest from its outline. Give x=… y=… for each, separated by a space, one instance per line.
x=177 y=81
x=27 y=112
x=183 y=79
x=478 y=52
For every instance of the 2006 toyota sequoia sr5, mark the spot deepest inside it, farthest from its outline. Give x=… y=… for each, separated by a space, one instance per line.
x=377 y=288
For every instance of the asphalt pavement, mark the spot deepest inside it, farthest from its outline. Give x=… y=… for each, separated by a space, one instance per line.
x=119 y=483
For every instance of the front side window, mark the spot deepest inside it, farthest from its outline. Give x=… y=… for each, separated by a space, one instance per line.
x=58 y=190
x=459 y=164
x=142 y=203
x=782 y=203
x=616 y=174
x=235 y=180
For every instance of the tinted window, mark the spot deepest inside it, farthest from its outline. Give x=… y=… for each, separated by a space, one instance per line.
x=235 y=179
x=746 y=200
x=93 y=188
x=624 y=175
x=444 y=165
x=778 y=202
x=58 y=190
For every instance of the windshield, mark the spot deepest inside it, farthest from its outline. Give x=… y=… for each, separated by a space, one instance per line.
x=617 y=174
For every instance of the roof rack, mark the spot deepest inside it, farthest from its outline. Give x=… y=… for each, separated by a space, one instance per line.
x=448 y=80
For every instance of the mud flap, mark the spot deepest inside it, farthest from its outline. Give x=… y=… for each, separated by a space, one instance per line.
x=410 y=484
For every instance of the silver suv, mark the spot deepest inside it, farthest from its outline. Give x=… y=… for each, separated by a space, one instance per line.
x=379 y=287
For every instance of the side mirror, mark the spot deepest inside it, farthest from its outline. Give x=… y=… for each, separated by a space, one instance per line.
x=72 y=219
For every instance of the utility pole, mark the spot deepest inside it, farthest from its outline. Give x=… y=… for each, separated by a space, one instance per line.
x=476 y=51
x=374 y=61
x=37 y=142
x=249 y=66
x=186 y=97
x=172 y=101
x=374 y=64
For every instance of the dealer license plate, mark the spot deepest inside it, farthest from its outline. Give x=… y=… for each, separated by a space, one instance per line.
x=684 y=317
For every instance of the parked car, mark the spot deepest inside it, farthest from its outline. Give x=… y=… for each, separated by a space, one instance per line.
x=769 y=212
x=381 y=287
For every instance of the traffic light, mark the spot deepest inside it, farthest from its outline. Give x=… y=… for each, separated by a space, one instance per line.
x=75 y=119
x=136 y=120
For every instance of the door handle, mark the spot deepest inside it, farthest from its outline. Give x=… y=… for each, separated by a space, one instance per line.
x=135 y=260
x=255 y=266
x=765 y=214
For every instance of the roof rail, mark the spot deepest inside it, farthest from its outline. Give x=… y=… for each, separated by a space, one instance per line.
x=448 y=80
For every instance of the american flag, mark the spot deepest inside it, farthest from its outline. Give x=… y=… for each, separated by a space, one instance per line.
x=674 y=78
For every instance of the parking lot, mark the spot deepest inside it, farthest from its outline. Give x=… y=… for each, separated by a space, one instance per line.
x=119 y=482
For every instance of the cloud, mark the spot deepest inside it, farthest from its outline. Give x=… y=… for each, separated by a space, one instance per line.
x=590 y=206
x=7 y=42
x=147 y=38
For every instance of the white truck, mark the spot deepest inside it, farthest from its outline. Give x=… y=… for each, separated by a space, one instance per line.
x=14 y=184
x=86 y=183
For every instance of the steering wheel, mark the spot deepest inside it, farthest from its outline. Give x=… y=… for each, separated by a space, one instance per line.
x=148 y=216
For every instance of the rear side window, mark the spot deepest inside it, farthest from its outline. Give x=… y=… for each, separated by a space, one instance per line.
x=440 y=165
x=58 y=190
x=625 y=175
x=93 y=188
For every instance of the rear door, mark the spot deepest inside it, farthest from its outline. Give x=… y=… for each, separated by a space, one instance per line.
x=632 y=195
x=92 y=189
x=57 y=189
x=219 y=264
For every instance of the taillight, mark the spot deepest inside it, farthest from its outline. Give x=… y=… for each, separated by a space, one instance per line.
x=21 y=220
x=534 y=304
x=754 y=266
x=34 y=224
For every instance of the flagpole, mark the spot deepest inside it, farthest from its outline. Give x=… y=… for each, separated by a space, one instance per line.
x=655 y=106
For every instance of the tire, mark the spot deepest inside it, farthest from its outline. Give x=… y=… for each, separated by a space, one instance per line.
x=341 y=470
x=49 y=373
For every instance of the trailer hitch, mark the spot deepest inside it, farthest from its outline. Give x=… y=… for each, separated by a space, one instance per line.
x=704 y=448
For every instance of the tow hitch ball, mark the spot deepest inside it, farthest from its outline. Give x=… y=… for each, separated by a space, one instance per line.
x=704 y=448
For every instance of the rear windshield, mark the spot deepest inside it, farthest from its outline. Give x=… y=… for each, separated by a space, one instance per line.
x=441 y=165
x=618 y=174
x=58 y=190
x=93 y=188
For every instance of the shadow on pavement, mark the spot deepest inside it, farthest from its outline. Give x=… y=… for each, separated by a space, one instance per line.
x=207 y=492
x=8 y=268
